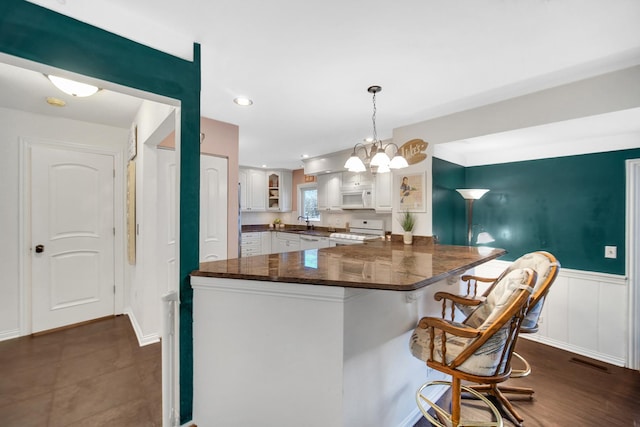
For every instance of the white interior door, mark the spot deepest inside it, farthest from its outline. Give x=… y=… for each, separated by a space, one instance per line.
x=213 y=208
x=167 y=209
x=72 y=236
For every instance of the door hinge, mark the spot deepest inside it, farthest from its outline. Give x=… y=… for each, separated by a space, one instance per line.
x=114 y=173
x=114 y=289
x=114 y=231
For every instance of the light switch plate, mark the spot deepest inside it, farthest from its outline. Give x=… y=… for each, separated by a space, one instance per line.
x=611 y=252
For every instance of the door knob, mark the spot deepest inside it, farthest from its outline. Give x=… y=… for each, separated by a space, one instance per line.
x=39 y=249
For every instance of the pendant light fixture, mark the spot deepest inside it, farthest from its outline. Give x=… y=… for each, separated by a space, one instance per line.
x=377 y=157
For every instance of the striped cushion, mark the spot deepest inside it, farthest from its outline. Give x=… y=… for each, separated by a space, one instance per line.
x=486 y=358
x=536 y=261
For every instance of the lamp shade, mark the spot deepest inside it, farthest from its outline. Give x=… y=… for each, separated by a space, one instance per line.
x=472 y=193
x=398 y=162
x=355 y=164
x=380 y=159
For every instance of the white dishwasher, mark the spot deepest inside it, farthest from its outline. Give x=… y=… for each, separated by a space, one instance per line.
x=313 y=242
x=285 y=242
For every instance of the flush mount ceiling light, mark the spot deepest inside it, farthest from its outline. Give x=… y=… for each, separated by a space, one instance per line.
x=243 y=101
x=71 y=87
x=377 y=157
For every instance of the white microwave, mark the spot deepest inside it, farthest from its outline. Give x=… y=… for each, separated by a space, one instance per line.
x=361 y=198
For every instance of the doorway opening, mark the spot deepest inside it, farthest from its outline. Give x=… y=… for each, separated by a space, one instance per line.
x=129 y=290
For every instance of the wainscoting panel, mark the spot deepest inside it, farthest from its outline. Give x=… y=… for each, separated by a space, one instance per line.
x=585 y=313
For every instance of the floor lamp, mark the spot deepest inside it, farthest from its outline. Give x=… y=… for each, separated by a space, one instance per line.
x=471 y=194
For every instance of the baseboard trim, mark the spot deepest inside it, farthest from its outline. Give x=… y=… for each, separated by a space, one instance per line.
x=617 y=361
x=10 y=334
x=412 y=418
x=142 y=339
x=434 y=394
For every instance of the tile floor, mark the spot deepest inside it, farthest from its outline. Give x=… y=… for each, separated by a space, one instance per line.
x=91 y=375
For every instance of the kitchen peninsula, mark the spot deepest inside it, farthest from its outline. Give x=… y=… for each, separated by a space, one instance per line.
x=318 y=337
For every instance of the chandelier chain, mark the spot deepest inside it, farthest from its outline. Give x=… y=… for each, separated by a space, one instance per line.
x=373 y=118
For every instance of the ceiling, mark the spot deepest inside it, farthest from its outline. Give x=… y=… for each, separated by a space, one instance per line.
x=307 y=64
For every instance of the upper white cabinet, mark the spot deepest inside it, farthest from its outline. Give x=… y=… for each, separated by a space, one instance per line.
x=279 y=190
x=356 y=180
x=253 y=190
x=329 y=185
x=384 y=192
x=265 y=191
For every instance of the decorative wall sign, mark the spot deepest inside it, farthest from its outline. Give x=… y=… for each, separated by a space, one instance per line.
x=410 y=192
x=414 y=151
x=131 y=212
x=133 y=141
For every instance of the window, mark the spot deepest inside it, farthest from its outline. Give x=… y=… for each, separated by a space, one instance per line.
x=309 y=203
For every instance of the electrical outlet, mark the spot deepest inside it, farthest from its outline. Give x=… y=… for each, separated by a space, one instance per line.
x=611 y=252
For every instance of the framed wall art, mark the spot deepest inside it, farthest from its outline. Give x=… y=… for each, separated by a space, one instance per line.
x=410 y=192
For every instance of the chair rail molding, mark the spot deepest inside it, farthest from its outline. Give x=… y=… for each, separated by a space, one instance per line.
x=633 y=260
x=584 y=313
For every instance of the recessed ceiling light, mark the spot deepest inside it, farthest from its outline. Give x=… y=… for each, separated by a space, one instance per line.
x=71 y=87
x=305 y=156
x=368 y=139
x=243 y=101
x=55 y=102
x=264 y=166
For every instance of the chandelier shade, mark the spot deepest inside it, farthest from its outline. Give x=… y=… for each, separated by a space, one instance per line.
x=377 y=157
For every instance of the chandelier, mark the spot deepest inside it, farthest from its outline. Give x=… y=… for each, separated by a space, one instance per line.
x=376 y=157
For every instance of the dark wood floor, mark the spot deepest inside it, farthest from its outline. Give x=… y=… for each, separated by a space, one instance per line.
x=97 y=375
x=572 y=390
x=92 y=375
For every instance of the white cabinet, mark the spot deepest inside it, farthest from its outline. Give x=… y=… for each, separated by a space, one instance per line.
x=255 y=243
x=384 y=192
x=251 y=244
x=329 y=186
x=313 y=242
x=284 y=242
x=265 y=240
x=279 y=191
x=253 y=190
x=355 y=180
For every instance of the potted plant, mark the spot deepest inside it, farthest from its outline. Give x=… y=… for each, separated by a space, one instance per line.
x=407 y=222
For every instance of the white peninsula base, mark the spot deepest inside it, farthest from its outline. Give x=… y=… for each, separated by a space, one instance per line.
x=289 y=355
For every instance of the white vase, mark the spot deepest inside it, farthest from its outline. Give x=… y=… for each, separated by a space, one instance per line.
x=408 y=237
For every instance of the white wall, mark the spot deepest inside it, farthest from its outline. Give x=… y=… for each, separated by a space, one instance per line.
x=154 y=122
x=14 y=125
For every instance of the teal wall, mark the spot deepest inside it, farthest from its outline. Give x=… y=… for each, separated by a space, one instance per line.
x=449 y=220
x=40 y=35
x=571 y=206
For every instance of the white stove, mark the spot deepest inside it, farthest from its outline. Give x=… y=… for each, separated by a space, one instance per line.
x=360 y=231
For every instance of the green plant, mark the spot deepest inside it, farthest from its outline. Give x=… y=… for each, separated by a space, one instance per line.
x=407 y=221
x=276 y=221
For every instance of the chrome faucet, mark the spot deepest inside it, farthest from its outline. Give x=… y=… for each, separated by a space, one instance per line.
x=306 y=219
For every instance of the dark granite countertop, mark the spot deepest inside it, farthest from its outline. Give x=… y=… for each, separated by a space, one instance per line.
x=373 y=265
x=297 y=229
